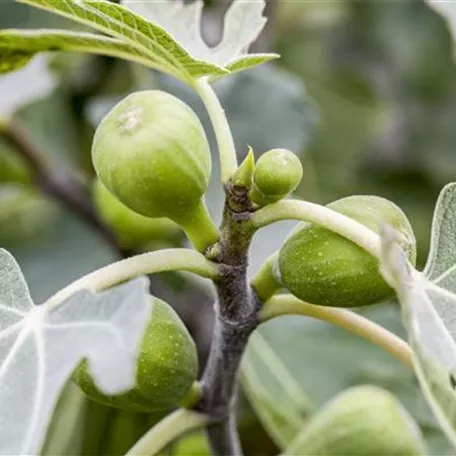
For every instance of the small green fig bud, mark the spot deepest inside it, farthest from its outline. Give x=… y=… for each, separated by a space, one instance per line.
x=277 y=173
x=166 y=369
x=151 y=152
x=322 y=267
x=132 y=230
x=361 y=421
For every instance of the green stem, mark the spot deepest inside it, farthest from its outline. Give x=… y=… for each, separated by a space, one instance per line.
x=146 y=263
x=199 y=227
x=320 y=215
x=167 y=430
x=227 y=149
x=265 y=283
x=289 y=305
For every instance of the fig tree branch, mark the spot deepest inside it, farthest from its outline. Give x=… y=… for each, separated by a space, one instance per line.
x=236 y=318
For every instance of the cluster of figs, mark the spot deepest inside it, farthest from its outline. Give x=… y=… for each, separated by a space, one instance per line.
x=153 y=166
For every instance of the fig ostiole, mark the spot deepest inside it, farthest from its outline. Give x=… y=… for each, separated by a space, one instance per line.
x=151 y=152
x=132 y=230
x=324 y=268
x=167 y=367
x=361 y=421
x=277 y=173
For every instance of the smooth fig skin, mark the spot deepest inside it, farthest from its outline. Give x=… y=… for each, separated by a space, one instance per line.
x=25 y=215
x=361 y=421
x=166 y=369
x=132 y=230
x=151 y=152
x=277 y=173
x=324 y=268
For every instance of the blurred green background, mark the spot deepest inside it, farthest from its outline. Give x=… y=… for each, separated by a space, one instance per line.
x=365 y=94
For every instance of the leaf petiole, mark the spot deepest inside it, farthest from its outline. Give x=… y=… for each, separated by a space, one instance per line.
x=320 y=215
x=167 y=430
x=146 y=263
x=363 y=327
x=225 y=142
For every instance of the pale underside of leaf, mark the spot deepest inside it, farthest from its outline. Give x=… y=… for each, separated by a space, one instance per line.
x=147 y=38
x=283 y=412
x=41 y=346
x=428 y=303
x=441 y=263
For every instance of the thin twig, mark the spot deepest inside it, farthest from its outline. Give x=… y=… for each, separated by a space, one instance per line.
x=58 y=185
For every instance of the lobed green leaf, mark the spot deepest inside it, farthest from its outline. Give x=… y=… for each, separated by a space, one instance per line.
x=243 y=22
x=40 y=346
x=17 y=47
x=162 y=51
x=162 y=35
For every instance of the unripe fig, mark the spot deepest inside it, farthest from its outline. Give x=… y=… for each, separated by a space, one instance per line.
x=361 y=421
x=151 y=152
x=167 y=366
x=13 y=167
x=24 y=214
x=277 y=173
x=322 y=267
x=132 y=230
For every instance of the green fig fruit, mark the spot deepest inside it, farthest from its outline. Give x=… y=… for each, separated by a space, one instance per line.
x=13 y=168
x=151 y=152
x=166 y=369
x=277 y=173
x=361 y=421
x=25 y=214
x=322 y=267
x=132 y=230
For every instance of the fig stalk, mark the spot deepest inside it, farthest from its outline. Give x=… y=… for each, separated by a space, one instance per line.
x=265 y=282
x=225 y=142
x=199 y=226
